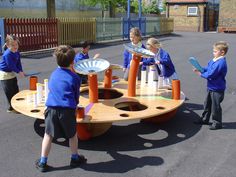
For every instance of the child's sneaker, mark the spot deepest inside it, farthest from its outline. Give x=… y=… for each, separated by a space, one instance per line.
x=77 y=162
x=43 y=167
x=12 y=111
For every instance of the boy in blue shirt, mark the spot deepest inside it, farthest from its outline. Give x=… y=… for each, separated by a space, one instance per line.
x=215 y=74
x=82 y=56
x=60 y=115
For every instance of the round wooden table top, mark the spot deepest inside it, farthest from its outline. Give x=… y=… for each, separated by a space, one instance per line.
x=113 y=104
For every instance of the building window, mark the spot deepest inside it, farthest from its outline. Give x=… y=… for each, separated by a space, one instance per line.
x=192 y=11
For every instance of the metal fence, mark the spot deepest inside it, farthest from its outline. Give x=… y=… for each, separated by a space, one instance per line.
x=129 y=23
x=153 y=25
x=73 y=31
x=35 y=34
x=108 y=28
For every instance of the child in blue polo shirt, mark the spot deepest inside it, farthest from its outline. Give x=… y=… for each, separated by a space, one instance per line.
x=9 y=65
x=82 y=56
x=215 y=74
x=163 y=64
x=136 y=40
x=60 y=115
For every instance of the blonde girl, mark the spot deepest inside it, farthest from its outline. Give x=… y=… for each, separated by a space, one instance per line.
x=9 y=65
x=164 y=66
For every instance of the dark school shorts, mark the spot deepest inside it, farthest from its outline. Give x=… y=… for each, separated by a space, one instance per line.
x=60 y=122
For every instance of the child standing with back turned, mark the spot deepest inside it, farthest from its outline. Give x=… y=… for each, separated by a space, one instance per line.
x=215 y=74
x=60 y=115
x=9 y=65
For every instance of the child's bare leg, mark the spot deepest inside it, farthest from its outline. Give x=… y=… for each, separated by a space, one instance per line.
x=73 y=142
x=46 y=145
x=76 y=159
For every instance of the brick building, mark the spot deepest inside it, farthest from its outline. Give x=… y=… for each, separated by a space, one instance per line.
x=193 y=15
x=227 y=16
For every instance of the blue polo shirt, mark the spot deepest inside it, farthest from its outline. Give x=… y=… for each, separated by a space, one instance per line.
x=215 y=73
x=80 y=56
x=64 y=89
x=11 y=62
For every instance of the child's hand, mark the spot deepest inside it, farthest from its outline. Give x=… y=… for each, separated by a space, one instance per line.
x=196 y=71
x=124 y=69
x=141 y=63
x=96 y=55
x=22 y=74
x=157 y=62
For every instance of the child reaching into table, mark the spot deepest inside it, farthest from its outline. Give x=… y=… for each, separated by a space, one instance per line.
x=163 y=65
x=60 y=115
x=9 y=65
x=84 y=54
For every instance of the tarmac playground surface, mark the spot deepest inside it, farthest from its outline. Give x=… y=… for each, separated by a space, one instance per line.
x=177 y=148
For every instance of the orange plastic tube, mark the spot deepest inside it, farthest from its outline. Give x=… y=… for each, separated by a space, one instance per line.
x=108 y=78
x=82 y=132
x=93 y=88
x=80 y=112
x=176 y=89
x=132 y=75
x=33 y=81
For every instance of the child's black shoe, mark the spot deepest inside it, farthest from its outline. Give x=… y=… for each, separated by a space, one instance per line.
x=215 y=126
x=43 y=167
x=77 y=162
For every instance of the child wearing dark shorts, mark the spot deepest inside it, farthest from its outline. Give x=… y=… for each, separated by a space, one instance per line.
x=60 y=115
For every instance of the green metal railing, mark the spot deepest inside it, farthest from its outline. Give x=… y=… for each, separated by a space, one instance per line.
x=108 y=28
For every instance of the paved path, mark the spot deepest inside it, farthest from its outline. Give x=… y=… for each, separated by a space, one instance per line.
x=177 y=148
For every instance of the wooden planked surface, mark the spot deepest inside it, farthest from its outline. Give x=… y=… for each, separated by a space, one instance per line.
x=157 y=103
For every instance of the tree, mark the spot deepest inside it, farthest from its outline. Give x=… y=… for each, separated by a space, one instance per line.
x=107 y=5
x=152 y=8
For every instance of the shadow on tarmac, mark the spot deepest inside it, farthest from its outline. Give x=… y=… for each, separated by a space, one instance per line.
x=133 y=137
x=120 y=164
x=140 y=136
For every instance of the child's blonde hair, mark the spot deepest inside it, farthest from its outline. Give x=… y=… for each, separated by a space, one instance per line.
x=9 y=40
x=154 y=43
x=136 y=32
x=221 y=46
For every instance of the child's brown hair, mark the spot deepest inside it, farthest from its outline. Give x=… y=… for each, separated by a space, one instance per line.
x=65 y=55
x=136 y=32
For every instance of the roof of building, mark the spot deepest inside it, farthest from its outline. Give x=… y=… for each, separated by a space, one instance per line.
x=186 y=1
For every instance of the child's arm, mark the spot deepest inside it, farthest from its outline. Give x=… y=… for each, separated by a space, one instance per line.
x=126 y=59
x=96 y=55
x=215 y=70
x=148 y=61
x=165 y=60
